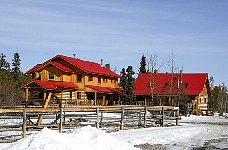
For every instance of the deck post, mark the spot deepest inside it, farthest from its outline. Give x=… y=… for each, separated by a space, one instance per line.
x=145 y=117
x=103 y=100
x=61 y=121
x=177 y=117
x=163 y=115
x=95 y=97
x=98 y=120
x=24 y=124
x=122 y=119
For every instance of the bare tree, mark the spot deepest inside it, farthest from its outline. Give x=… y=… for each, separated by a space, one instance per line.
x=153 y=67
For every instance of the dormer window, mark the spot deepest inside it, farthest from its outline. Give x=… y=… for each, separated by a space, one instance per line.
x=165 y=85
x=186 y=85
x=51 y=76
x=149 y=84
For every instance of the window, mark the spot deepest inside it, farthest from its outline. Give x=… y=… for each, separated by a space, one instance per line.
x=90 y=77
x=186 y=85
x=51 y=75
x=79 y=95
x=113 y=80
x=165 y=85
x=99 y=80
x=105 y=79
x=39 y=76
x=149 y=84
x=79 y=77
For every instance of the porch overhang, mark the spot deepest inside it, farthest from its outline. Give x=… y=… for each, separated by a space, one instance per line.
x=106 y=90
x=50 y=85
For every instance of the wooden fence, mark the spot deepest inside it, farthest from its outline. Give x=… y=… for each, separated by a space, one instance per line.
x=123 y=110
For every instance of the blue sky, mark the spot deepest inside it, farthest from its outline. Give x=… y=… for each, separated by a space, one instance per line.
x=119 y=32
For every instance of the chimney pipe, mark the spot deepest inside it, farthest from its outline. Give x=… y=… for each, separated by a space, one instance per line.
x=101 y=62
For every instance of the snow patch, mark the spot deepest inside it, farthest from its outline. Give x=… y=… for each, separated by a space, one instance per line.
x=85 y=138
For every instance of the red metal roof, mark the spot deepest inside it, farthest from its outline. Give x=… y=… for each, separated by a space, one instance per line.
x=52 y=85
x=61 y=66
x=87 y=66
x=54 y=63
x=166 y=83
x=104 y=89
x=33 y=68
x=90 y=67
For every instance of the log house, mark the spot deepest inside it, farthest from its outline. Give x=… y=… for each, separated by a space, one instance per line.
x=67 y=81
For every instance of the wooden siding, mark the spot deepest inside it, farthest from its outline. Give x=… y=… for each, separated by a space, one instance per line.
x=201 y=101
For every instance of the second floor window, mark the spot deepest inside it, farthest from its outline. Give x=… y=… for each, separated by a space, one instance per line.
x=105 y=79
x=79 y=77
x=90 y=77
x=99 y=79
x=51 y=75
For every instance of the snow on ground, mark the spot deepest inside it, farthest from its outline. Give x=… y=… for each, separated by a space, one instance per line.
x=193 y=132
x=183 y=137
x=85 y=138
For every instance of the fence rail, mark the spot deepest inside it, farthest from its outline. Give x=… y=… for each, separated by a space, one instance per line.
x=139 y=114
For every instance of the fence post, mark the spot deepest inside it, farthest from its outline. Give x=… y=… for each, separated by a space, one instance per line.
x=61 y=121
x=163 y=115
x=122 y=119
x=145 y=117
x=140 y=119
x=24 y=124
x=177 y=117
x=98 y=120
x=101 y=119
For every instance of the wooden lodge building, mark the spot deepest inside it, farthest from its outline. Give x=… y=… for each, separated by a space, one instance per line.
x=165 y=88
x=67 y=81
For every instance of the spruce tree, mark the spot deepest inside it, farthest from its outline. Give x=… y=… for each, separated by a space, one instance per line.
x=16 y=62
x=4 y=69
x=4 y=65
x=130 y=85
x=142 y=68
x=123 y=83
x=127 y=83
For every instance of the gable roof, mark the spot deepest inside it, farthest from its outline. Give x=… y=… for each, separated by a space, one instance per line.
x=87 y=66
x=166 y=83
x=52 y=85
x=90 y=67
x=30 y=71
x=61 y=66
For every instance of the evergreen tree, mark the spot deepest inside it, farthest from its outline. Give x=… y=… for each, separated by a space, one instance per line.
x=4 y=65
x=123 y=84
x=142 y=68
x=4 y=69
x=16 y=62
x=10 y=81
x=16 y=73
x=127 y=83
x=123 y=79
